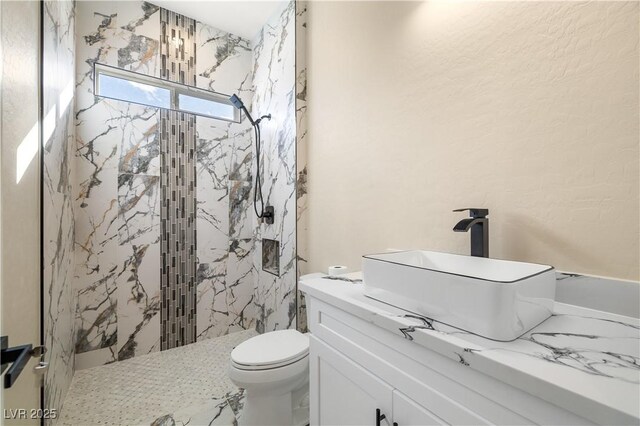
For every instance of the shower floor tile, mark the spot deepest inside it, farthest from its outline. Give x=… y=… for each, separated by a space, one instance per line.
x=186 y=385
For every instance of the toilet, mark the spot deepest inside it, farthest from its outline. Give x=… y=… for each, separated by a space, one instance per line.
x=273 y=369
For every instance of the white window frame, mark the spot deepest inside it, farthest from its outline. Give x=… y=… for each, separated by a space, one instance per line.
x=175 y=89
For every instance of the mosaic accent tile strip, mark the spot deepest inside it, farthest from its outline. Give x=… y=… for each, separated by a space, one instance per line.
x=118 y=195
x=118 y=189
x=177 y=48
x=178 y=187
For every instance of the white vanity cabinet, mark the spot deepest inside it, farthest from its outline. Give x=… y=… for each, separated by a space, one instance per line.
x=350 y=395
x=357 y=368
x=407 y=412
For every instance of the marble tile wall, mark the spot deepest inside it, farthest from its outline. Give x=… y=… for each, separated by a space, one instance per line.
x=58 y=209
x=274 y=82
x=224 y=156
x=117 y=190
x=301 y=157
x=602 y=294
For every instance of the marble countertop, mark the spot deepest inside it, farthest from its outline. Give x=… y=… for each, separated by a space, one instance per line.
x=583 y=360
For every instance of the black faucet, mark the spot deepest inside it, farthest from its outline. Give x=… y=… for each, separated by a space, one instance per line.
x=479 y=225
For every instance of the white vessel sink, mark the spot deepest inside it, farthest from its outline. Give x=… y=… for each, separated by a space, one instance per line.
x=496 y=299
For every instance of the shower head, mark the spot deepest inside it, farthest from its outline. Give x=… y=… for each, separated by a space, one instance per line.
x=237 y=102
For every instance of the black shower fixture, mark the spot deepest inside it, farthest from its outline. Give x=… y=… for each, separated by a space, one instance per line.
x=265 y=213
x=237 y=102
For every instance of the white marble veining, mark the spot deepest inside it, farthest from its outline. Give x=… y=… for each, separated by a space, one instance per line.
x=117 y=190
x=274 y=80
x=58 y=209
x=224 y=62
x=583 y=360
x=302 y=211
x=223 y=166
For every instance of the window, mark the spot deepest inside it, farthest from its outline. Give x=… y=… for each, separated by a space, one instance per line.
x=206 y=107
x=115 y=83
x=132 y=91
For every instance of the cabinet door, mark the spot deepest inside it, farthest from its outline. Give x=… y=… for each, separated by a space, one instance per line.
x=407 y=412
x=344 y=393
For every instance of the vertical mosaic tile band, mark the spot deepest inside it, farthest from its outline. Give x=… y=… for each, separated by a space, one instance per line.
x=133 y=272
x=178 y=187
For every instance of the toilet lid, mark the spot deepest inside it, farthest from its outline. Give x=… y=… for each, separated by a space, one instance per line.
x=273 y=348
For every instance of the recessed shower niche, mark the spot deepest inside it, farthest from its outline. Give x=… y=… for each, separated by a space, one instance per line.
x=271 y=256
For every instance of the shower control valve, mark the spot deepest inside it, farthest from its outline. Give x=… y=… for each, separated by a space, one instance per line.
x=268 y=215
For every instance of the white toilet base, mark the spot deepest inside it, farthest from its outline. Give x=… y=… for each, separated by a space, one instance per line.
x=266 y=410
x=301 y=406
x=277 y=391
x=291 y=408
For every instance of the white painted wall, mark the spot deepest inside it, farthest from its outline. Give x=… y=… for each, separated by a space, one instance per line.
x=528 y=108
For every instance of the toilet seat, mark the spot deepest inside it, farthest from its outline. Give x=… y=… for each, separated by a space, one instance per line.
x=273 y=370
x=270 y=350
x=267 y=367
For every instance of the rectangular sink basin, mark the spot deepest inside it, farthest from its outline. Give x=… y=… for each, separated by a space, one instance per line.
x=496 y=299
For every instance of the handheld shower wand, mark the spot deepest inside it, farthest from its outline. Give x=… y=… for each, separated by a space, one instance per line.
x=237 y=102
x=264 y=213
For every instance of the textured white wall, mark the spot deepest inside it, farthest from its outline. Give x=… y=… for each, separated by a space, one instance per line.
x=528 y=108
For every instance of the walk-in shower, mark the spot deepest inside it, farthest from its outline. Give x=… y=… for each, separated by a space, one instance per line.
x=149 y=237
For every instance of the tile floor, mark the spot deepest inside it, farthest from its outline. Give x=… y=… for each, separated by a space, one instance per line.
x=187 y=385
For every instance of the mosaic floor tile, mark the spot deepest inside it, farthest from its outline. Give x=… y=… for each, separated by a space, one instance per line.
x=173 y=387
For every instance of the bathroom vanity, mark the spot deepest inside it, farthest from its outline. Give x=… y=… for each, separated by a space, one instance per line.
x=374 y=364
